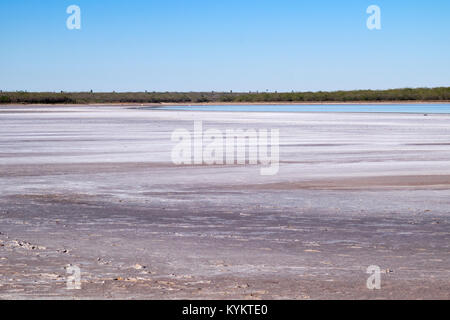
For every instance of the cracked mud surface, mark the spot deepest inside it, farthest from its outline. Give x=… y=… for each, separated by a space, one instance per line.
x=96 y=188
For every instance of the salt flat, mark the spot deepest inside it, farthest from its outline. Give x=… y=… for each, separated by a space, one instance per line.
x=95 y=187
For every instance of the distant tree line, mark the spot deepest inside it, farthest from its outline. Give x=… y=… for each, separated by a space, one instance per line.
x=407 y=94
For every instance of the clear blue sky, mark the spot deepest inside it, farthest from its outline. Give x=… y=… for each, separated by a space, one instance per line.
x=237 y=45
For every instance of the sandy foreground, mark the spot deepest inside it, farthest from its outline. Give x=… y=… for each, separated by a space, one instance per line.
x=95 y=187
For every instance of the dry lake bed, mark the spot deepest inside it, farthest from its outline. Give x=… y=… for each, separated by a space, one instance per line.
x=95 y=188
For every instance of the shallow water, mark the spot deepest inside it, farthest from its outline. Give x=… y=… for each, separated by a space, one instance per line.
x=371 y=108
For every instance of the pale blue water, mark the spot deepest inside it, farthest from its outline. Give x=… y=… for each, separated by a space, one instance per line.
x=390 y=108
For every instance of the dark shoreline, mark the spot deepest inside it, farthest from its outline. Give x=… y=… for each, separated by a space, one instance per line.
x=404 y=95
x=226 y=103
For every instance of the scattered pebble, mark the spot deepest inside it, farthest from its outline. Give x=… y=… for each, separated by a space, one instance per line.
x=137 y=266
